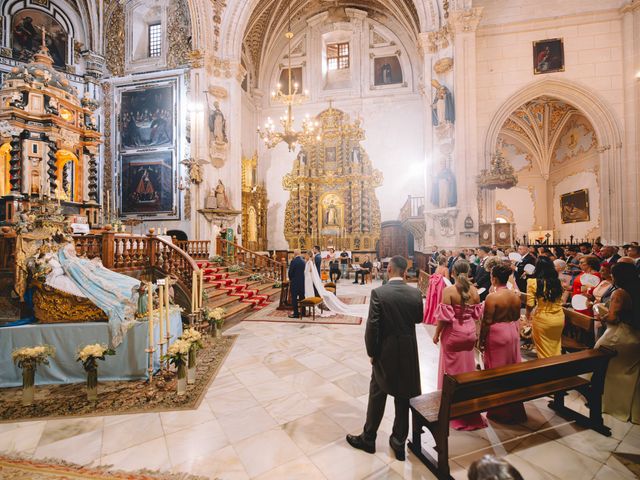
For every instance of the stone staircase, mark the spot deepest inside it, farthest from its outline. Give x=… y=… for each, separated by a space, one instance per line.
x=234 y=292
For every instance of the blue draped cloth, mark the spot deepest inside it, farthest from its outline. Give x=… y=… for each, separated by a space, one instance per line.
x=114 y=293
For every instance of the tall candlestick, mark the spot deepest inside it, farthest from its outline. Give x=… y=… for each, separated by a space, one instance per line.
x=167 y=316
x=200 y=289
x=161 y=311
x=194 y=285
x=150 y=314
x=108 y=206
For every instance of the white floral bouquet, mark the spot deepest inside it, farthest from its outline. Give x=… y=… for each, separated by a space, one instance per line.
x=33 y=356
x=90 y=354
x=217 y=259
x=194 y=338
x=256 y=277
x=234 y=268
x=215 y=315
x=177 y=352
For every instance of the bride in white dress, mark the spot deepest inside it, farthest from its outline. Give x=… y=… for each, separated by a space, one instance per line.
x=335 y=306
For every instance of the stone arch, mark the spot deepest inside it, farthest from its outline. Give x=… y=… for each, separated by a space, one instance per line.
x=607 y=131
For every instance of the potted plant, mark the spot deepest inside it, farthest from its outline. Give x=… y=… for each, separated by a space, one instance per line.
x=177 y=354
x=28 y=358
x=89 y=356
x=194 y=338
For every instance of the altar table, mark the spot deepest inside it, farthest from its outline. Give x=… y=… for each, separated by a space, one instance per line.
x=129 y=362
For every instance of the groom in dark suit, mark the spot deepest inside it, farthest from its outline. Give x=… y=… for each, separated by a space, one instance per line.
x=390 y=338
x=296 y=282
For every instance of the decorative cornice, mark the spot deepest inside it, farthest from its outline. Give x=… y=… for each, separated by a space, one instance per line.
x=630 y=7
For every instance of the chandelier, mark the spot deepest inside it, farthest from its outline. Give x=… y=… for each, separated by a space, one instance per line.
x=289 y=135
x=501 y=174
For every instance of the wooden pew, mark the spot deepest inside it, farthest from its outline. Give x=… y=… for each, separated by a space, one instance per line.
x=579 y=331
x=479 y=391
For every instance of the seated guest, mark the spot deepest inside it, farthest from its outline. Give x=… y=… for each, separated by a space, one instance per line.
x=565 y=278
x=544 y=308
x=500 y=337
x=334 y=266
x=558 y=252
x=434 y=291
x=492 y=468
x=634 y=252
x=609 y=254
x=365 y=269
x=621 y=397
x=589 y=264
x=457 y=316
x=585 y=248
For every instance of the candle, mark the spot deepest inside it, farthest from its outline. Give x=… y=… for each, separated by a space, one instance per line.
x=201 y=289
x=108 y=210
x=166 y=298
x=161 y=311
x=193 y=293
x=150 y=313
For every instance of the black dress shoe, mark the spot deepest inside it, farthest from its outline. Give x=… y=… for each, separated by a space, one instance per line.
x=356 y=441
x=398 y=449
x=355 y=282
x=294 y=316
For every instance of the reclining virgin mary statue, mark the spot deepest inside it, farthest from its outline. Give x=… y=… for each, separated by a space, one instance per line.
x=115 y=294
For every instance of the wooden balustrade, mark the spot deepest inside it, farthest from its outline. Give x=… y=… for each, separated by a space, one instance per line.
x=412 y=208
x=197 y=249
x=251 y=261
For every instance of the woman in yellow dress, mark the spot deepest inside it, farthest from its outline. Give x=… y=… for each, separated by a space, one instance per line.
x=544 y=308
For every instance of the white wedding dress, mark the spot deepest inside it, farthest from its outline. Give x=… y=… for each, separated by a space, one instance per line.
x=335 y=306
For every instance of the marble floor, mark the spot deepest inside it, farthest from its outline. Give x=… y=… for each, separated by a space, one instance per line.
x=281 y=406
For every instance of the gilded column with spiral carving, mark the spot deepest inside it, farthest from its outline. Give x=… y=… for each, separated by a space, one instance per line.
x=15 y=164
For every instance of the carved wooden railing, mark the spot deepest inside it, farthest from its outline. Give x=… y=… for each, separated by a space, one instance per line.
x=144 y=254
x=251 y=261
x=412 y=208
x=197 y=249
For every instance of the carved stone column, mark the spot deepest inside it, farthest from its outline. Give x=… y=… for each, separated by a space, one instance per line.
x=52 y=169
x=92 y=180
x=464 y=24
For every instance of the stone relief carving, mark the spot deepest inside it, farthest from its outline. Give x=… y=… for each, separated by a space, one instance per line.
x=114 y=35
x=178 y=33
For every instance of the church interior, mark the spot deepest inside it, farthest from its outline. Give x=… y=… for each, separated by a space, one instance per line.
x=229 y=229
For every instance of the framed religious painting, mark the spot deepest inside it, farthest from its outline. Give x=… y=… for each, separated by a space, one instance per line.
x=574 y=206
x=147 y=116
x=548 y=56
x=148 y=184
x=387 y=71
x=26 y=36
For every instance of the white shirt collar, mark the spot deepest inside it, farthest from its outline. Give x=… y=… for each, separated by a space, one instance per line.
x=393 y=279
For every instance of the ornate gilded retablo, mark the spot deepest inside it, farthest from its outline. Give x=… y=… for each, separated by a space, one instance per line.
x=332 y=201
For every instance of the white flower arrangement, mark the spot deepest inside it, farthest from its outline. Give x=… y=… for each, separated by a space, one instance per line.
x=90 y=354
x=194 y=338
x=33 y=356
x=217 y=259
x=215 y=315
x=177 y=352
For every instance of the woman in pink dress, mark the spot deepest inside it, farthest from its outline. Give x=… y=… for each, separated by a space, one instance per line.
x=457 y=316
x=500 y=336
x=434 y=292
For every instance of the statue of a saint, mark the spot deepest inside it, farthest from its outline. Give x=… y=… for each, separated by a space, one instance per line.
x=442 y=108
x=444 y=192
x=51 y=105
x=17 y=100
x=331 y=217
x=218 y=125
x=222 y=200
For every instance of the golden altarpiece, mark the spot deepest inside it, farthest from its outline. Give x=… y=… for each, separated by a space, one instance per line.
x=50 y=142
x=254 y=207
x=333 y=201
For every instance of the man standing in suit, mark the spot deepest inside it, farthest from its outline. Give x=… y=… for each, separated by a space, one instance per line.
x=390 y=338
x=317 y=259
x=482 y=277
x=527 y=259
x=296 y=282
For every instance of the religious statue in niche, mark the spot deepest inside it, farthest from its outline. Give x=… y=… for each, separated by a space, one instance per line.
x=222 y=201
x=331 y=217
x=442 y=108
x=444 y=192
x=218 y=124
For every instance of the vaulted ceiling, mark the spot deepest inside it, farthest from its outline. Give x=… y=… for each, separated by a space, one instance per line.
x=269 y=19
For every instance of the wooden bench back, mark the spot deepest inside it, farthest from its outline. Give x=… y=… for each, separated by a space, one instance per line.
x=579 y=330
x=502 y=381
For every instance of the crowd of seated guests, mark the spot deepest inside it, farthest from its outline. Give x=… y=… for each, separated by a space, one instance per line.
x=479 y=311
